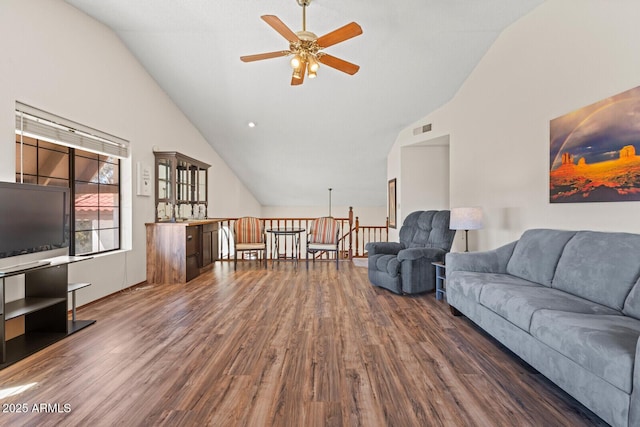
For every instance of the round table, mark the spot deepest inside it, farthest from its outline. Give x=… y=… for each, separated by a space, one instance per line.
x=278 y=232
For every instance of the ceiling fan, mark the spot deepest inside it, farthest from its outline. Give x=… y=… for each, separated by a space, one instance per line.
x=306 y=47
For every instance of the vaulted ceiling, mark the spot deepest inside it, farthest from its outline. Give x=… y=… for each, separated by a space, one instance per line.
x=334 y=131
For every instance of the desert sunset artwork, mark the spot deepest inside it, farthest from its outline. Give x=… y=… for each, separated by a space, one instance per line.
x=595 y=152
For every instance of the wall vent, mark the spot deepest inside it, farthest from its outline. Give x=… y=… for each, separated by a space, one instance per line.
x=422 y=129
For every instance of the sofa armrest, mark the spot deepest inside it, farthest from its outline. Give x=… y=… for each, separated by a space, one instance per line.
x=494 y=261
x=387 y=248
x=411 y=254
x=634 y=400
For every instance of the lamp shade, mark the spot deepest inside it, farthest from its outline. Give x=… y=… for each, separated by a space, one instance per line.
x=466 y=219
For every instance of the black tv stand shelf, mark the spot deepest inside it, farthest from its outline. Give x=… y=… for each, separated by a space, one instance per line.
x=24 y=306
x=44 y=307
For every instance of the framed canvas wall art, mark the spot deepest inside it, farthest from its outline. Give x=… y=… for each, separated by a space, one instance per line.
x=593 y=152
x=393 y=210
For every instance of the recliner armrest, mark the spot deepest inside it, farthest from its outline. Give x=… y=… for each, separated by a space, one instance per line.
x=411 y=254
x=494 y=261
x=387 y=248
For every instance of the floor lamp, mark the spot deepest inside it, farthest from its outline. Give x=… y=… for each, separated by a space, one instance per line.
x=466 y=219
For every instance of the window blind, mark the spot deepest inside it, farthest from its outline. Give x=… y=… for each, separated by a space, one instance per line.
x=40 y=124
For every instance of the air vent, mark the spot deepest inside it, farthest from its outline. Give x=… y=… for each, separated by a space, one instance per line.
x=422 y=129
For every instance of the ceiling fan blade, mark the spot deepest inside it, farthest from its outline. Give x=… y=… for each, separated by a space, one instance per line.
x=294 y=80
x=280 y=27
x=338 y=64
x=339 y=35
x=261 y=56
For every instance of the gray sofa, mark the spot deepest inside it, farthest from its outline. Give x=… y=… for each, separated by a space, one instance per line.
x=567 y=303
x=405 y=267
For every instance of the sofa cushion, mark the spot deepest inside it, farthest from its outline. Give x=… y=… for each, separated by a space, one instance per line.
x=537 y=253
x=602 y=344
x=632 y=303
x=600 y=267
x=470 y=283
x=518 y=303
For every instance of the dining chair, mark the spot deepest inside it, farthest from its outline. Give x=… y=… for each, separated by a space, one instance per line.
x=323 y=236
x=249 y=235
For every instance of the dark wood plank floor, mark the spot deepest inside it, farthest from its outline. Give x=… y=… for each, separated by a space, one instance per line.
x=280 y=347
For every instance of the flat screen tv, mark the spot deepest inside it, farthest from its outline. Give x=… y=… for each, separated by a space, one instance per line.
x=33 y=218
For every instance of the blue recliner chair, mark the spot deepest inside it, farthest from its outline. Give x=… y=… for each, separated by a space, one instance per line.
x=405 y=267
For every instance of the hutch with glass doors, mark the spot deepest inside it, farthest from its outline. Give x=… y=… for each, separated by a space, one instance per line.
x=181 y=241
x=181 y=187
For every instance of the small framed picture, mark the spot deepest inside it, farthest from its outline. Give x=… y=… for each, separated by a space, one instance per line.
x=393 y=211
x=144 y=179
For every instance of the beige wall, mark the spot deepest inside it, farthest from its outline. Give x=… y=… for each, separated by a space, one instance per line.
x=564 y=55
x=60 y=60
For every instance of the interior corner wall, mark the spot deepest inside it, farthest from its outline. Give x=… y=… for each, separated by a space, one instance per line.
x=58 y=59
x=563 y=55
x=424 y=177
x=435 y=153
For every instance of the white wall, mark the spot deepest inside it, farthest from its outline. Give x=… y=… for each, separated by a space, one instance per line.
x=564 y=55
x=424 y=177
x=60 y=60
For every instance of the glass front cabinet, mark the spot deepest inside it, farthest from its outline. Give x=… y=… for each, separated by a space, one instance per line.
x=181 y=187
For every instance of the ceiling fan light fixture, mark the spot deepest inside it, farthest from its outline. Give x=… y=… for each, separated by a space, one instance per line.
x=296 y=61
x=313 y=65
x=312 y=74
x=298 y=72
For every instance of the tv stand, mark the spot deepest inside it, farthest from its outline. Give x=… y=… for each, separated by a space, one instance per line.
x=44 y=307
x=25 y=266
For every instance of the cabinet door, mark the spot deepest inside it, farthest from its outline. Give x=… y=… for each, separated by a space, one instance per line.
x=193 y=240
x=202 y=185
x=192 y=237
x=164 y=179
x=207 y=249
x=193 y=269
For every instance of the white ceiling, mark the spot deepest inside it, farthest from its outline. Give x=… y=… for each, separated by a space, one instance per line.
x=333 y=131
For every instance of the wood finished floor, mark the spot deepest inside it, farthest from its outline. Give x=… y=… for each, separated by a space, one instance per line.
x=281 y=347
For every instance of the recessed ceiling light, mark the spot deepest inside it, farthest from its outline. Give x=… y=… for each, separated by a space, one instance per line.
x=252 y=124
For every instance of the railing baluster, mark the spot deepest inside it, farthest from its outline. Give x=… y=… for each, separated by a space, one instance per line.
x=357 y=236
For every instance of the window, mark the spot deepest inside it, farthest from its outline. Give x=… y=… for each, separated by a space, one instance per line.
x=94 y=180
x=53 y=151
x=42 y=163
